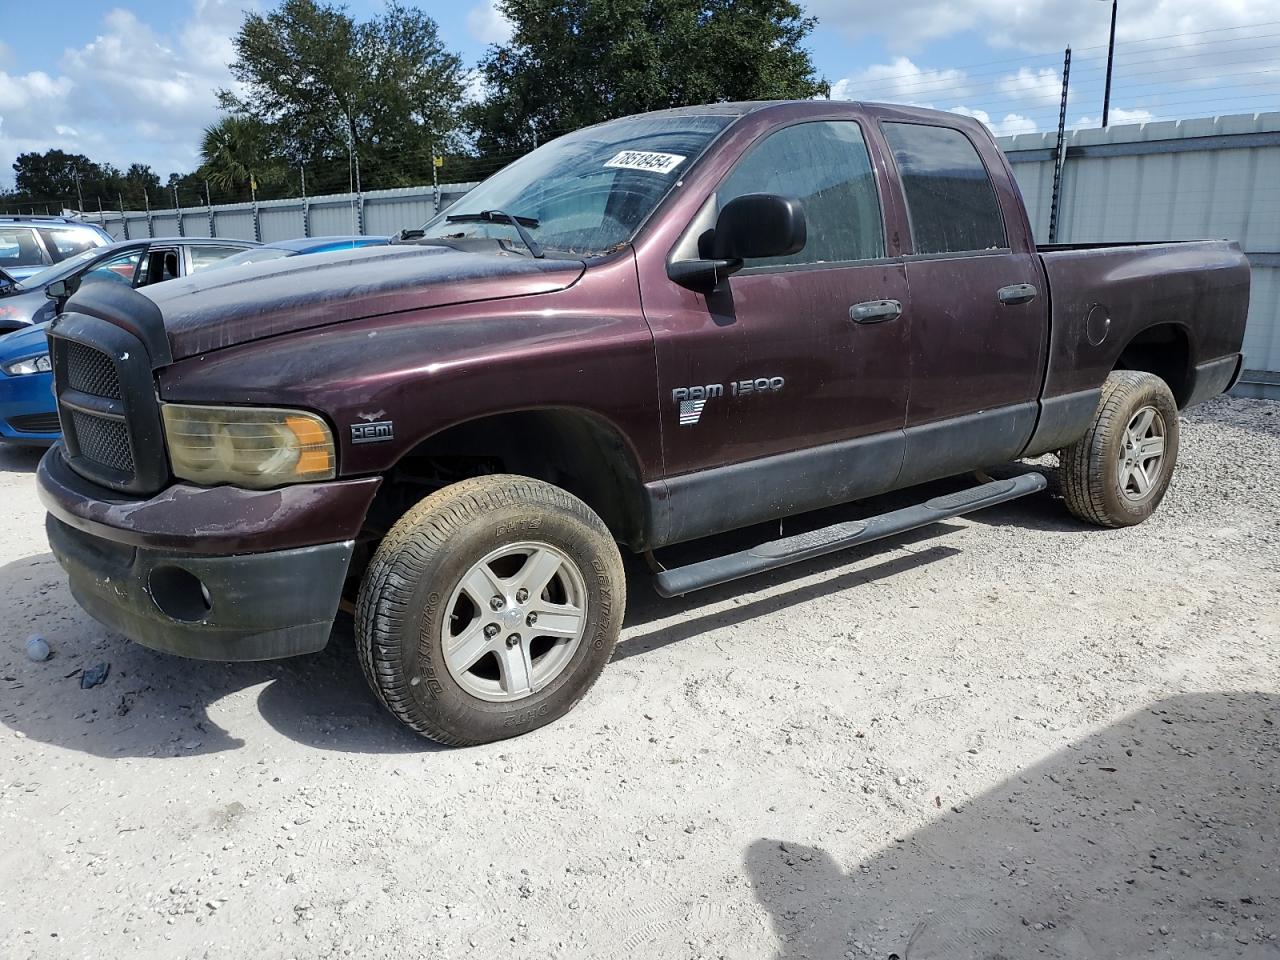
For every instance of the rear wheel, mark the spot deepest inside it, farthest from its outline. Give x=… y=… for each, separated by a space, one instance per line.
x=490 y=609
x=1118 y=472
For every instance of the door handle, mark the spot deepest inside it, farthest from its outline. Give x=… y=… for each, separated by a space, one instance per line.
x=875 y=311
x=1017 y=293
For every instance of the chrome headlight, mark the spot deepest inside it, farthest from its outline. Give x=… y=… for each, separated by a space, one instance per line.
x=28 y=365
x=255 y=447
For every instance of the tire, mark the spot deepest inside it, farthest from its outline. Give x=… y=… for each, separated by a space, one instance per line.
x=421 y=615
x=1099 y=482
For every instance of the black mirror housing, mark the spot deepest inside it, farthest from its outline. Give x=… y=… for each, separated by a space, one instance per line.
x=758 y=225
x=58 y=290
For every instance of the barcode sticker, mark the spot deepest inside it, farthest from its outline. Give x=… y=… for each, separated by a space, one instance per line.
x=645 y=160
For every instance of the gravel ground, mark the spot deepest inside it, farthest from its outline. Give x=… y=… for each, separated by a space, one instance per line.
x=1004 y=736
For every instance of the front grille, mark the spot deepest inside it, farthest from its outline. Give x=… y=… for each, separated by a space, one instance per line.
x=106 y=397
x=91 y=371
x=36 y=423
x=103 y=441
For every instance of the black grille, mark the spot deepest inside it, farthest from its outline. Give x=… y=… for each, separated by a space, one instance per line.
x=91 y=371
x=103 y=441
x=36 y=423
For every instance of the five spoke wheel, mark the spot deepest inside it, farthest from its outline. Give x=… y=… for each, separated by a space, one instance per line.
x=514 y=621
x=1142 y=453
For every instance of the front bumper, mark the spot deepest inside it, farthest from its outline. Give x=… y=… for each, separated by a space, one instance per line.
x=258 y=606
x=26 y=401
x=210 y=573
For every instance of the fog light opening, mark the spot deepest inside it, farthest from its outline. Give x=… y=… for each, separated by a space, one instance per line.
x=179 y=594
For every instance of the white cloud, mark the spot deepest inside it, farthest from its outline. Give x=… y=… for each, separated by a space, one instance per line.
x=1043 y=88
x=900 y=81
x=1117 y=116
x=903 y=81
x=1011 y=125
x=133 y=94
x=488 y=24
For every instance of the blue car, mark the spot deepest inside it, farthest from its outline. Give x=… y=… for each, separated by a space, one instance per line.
x=29 y=244
x=28 y=414
x=293 y=248
x=27 y=411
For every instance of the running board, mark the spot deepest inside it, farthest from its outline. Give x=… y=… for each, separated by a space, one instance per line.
x=805 y=546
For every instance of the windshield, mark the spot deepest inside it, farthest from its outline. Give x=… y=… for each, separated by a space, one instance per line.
x=61 y=270
x=585 y=192
x=254 y=255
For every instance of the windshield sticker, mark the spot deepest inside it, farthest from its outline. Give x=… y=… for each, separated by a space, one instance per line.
x=645 y=160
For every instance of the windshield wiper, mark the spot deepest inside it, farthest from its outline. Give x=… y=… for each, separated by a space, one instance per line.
x=497 y=216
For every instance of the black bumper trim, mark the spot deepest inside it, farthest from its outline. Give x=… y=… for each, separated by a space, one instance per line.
x=260 y=606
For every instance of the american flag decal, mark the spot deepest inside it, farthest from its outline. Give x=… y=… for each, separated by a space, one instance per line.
x=691 y=412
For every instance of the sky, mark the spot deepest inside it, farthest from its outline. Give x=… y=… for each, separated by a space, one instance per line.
x=134 y=81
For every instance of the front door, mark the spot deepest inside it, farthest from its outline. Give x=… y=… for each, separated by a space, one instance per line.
x=773 y=399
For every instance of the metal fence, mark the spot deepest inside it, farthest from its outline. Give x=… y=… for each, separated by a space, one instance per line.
x=1176 y=180
x=374 y=213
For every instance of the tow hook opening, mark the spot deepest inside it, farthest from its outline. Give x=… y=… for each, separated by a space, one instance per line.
x=179 y=594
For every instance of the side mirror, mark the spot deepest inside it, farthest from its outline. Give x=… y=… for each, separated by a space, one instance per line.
x=749 y=227
x=759 y=225
x=60 y=291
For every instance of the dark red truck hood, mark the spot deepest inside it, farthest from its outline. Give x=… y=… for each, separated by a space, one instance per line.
x=227 y=306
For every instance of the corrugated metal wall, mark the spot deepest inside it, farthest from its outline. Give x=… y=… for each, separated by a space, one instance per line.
x=1192 y=179
x=385 y=212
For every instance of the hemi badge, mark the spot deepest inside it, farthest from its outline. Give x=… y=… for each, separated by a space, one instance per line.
x=373 y=432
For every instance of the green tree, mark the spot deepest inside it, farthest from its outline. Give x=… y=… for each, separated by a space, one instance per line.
x=385 y=91
x=53 y=176
x=235 y=153
x=570 y=63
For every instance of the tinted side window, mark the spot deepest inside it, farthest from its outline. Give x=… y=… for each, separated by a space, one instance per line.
x=825 y=165
x=949 y=195
x=67 y=243
x=19 y=247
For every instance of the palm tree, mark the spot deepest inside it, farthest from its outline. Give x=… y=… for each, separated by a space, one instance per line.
x=234 y=151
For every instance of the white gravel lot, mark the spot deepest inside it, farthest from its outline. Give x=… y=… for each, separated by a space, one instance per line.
x=1004 y=736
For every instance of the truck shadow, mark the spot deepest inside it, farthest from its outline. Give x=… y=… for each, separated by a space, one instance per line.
x=154 y=704
x=1155 y=836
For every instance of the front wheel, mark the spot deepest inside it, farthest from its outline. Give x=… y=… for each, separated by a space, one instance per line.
x=1118 y=472
x=489 y=609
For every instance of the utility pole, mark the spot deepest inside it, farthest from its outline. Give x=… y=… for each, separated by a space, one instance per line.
x=1111 y=57
x=79 y=195
x=1060 y=155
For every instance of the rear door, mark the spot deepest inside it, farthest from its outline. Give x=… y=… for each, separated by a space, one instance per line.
x=773 y=399
x=978 y=321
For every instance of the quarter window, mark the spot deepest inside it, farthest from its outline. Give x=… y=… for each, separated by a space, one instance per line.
x=950 y=199
x=825 y=165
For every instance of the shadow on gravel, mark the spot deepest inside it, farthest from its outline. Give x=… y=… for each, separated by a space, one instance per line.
x=155 y=704
x=15 y=458
x=1159 y=836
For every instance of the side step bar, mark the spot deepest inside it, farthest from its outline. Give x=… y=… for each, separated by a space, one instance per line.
x=804 y=546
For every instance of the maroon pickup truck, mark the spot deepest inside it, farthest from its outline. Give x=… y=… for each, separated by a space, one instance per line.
x=645 y=332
